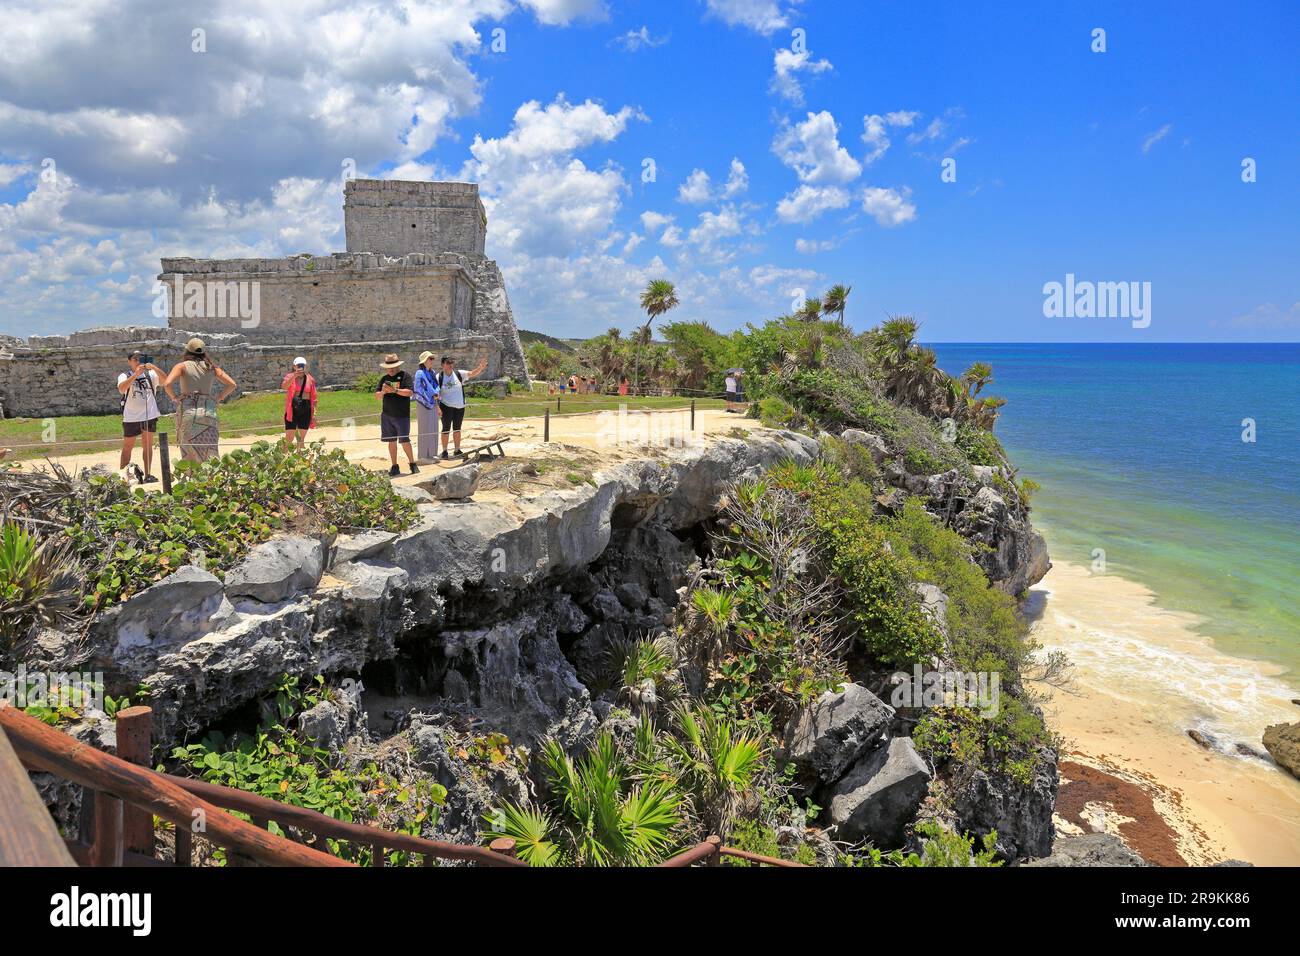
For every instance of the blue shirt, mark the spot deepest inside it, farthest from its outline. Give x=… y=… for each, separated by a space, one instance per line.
x=426 y=388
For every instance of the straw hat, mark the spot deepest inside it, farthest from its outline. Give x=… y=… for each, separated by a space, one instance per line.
x=391 y=361
x=425 y=356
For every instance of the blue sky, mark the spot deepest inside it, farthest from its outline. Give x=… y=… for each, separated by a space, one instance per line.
x=823 y=160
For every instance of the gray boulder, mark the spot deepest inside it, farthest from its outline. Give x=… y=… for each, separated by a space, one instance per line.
x=1090 y=849
x=363 y=544
x=632 y=595
x=828 y=735
x=278 y=569
x=874 y=444
x=332 y=723
x=879 y=797
x=454 y=484
x=934 y=605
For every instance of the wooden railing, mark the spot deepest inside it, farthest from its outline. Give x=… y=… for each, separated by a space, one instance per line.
x=711 y=852
x=122 y=798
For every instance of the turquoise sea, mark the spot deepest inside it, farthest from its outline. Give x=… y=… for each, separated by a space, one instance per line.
x=1139 y=452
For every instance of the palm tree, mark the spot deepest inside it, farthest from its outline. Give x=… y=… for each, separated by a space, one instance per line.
x=659 y=297
x=596 y=815
x=811 y=310
x=718 y=764
x=976 y=377
x=892 y=346
x=836 y=301
x=543 y=360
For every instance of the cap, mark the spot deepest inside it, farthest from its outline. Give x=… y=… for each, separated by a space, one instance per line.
x=195 y=345
x=300 y=361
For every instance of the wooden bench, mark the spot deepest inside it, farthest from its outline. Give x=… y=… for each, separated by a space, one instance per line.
x=484 y=451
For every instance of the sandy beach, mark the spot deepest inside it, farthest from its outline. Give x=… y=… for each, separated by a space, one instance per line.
x=1142 y=678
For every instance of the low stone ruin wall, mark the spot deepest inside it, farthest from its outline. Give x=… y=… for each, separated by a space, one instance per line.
x=77 y=374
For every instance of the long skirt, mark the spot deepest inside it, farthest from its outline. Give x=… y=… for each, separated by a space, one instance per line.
x=426 y=421
x=196 y=428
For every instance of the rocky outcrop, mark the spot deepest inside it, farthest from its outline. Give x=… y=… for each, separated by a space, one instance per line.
x=1282 y=741
x=831 y=733
x=204 y=649
x=1014 y=555
x=1089 y=849
x=1020 y=813
x=880 y=795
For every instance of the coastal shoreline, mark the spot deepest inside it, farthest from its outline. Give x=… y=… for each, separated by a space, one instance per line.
x=1142 y=678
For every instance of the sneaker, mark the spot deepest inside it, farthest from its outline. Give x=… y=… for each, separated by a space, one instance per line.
x=148 y=480
x=394 y=472
x=459 y=453
x=445 y=456
x=415 y=469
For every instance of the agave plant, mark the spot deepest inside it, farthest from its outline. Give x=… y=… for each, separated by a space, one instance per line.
x=718 y=764
x=597 y=814
x=40 y=585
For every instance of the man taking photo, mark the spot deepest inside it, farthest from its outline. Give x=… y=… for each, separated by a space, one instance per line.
x=139 y=390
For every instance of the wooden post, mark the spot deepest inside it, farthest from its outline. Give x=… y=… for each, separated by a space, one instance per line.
x=503 y=845
x=164 y=456
x=546 y=426
x=184 y=846
x=109 y=846
x=377 y=855
x=692 y=414
x=135 y=743
x=557 y=403
x=715 y=858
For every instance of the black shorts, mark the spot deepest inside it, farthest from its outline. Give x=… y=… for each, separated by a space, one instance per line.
x=731 y=396
x=133 y=429
x=452 y=418
x=301 y=420
x=393 y=428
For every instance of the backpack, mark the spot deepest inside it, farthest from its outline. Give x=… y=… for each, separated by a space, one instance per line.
x=442 y=378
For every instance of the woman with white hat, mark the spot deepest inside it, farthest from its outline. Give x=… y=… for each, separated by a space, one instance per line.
x=299 y=403
x=426 y=407
x=194 y=377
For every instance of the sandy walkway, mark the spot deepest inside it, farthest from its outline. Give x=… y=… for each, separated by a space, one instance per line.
x=1143 y=678
x=616 y=437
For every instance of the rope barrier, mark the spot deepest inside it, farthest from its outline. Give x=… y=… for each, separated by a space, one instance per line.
x=266 y=432
x=356 y=420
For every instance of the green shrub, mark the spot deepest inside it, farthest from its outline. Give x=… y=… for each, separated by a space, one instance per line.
x=368 y=382
x=222 y=508
x=979 y=446
x=276 y=762
x=876 y=577
x=753 y=836
x=40 y=585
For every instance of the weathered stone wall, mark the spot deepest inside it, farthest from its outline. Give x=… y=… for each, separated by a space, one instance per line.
x=81 y=380
x=414 y=277
x=339 y=298
x=394 y=218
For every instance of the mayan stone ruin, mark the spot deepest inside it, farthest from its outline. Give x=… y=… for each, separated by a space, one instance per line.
x=414 y=277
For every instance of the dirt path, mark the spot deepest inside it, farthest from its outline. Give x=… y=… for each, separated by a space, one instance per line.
x=611 y=436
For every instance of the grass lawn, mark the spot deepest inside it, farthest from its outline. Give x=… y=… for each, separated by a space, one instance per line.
x=263 y=414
